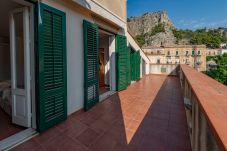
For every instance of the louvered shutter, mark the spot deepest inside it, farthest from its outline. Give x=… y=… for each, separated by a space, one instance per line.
x=137 y=65
x=133 y=66
x=121 y=54
x=128 y=65
x=51 y=74
x=91 y=65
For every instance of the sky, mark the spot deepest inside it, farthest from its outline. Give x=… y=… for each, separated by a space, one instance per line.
x=185 y=14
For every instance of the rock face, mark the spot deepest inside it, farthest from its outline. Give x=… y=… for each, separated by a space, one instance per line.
x=144 y=24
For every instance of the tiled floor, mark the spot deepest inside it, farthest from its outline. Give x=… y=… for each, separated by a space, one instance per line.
x=6 y=127
x=148 y=116
x=103 y=90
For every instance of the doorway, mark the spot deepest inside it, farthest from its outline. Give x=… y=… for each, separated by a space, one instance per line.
x=16 y=49
x=105 y=61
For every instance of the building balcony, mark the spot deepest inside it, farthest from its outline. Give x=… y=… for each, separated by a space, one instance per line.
x=199 y=63
x=187 y=55
x=149 y=115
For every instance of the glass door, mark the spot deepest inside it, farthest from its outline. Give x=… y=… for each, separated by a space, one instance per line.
x=20 y=67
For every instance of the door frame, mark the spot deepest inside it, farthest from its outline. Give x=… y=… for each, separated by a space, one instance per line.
x=111 y=53
x=15 y=91
x=31 y=7
x=11 y=141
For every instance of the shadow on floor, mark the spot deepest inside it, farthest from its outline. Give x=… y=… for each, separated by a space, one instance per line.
x=6 y=127
x=149 y=115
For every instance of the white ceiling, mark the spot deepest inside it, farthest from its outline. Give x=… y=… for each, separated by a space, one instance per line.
x=6 y=6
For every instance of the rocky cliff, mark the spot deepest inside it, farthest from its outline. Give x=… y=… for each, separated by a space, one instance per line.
x=154 y=29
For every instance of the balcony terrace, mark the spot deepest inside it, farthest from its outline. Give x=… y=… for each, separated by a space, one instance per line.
x=149 y=115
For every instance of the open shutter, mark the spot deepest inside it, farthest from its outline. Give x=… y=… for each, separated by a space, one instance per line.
x=121 y=55
x=51 y=74
x=91 y=65
x=133 y=65
x=137 y=65
x=129 y=66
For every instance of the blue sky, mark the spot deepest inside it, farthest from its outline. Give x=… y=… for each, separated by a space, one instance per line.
x=185 y=14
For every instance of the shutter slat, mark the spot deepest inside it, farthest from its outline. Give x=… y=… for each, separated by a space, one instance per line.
x=91 y=77
x=52 y=71
x=122 y=62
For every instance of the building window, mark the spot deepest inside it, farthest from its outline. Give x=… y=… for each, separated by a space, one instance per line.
x=187 y=61
x=193 y=52
x=198 y=52
x=158 y=61
x=186 y=52
x=168 y=53
x=177 y=53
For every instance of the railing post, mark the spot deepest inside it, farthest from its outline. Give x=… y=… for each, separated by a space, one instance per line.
x=203 y=133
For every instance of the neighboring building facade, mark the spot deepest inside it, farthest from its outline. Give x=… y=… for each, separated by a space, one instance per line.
x=73 y=50
x=193 y=55
x=213 y=52
x=211 y=65
x=223 y=51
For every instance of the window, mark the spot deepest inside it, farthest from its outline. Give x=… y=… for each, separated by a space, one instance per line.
x=177 y=53
x=193 y=52
x=187 y=61
x=158 y=61
x=186 y=52
x=198 y=52
x=168 y=53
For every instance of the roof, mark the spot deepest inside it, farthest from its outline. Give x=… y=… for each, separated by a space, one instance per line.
x=211 y=62
x=175 y=46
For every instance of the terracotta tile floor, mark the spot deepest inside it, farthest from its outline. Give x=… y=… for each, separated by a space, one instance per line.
x=148 y=116
x=6 y=127
x=103 y=90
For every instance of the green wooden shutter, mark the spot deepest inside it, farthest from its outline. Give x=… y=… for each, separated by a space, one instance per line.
x=51 y=73
x=137 y=65
x=133 y=65
x=129 y=66
x=91 y=65
x=121 y=60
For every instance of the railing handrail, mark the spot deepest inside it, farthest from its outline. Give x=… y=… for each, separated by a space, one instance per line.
x=212 y=98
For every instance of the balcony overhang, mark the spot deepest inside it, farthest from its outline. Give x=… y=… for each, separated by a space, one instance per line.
x=97 y=10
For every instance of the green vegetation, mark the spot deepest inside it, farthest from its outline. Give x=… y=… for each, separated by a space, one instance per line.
x=140 y=39
x=220 y=74
x=212 y=38
x=157 y=29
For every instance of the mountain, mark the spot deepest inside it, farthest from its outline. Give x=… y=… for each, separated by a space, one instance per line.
x=152 y=29
x=156 y=29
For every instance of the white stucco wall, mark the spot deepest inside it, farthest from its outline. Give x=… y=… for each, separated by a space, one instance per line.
x=101 y=10
x=223 y=51
x=75 y=56
x=170 y=69
x=132 y=42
